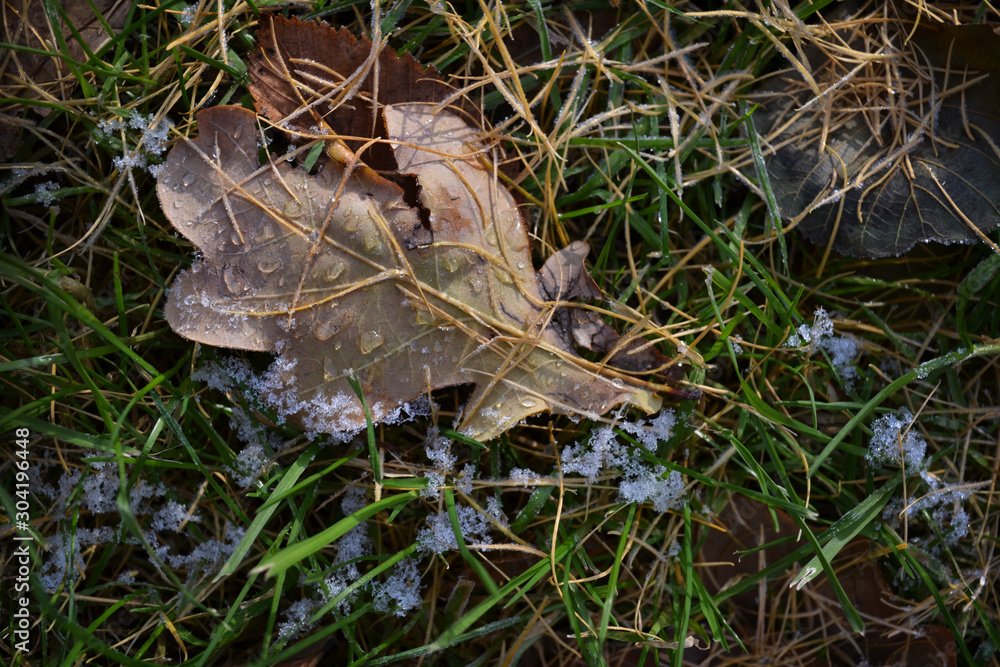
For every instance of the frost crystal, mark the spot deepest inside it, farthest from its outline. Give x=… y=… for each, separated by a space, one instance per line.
x=894 y=441
x=355 y=543
x=401 y=592
x=438 y=535
x=152 y=140
x=248 y=464
x=843 y=350
x=642 y=481
x=208 y=556
x=439 y=450
x=45 y=193
x=297 y=618
x=524 y=476
x=171 y=517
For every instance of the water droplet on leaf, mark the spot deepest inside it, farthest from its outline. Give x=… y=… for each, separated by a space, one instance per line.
x=369 y=340
x=334 y=272
x=267 y=266
x=325 y=330
x=235 y=281
x=372 y=241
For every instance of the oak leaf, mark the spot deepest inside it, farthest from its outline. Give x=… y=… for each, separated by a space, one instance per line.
x=332 y=272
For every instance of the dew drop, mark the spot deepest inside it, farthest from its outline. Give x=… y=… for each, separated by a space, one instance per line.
x=351 y=223
x=188 y=179
x=476 y=284
x=235 y=282
x=236 y=239
x=266 y=233
x=528 y=402
x=324 y=331
x=372 y=241
x=268 y=266
x=450 y=264
x=330 y=371
x=334 y=272
x=292 y=208
x=437 y=346
x=178 y=203
x=369 y=340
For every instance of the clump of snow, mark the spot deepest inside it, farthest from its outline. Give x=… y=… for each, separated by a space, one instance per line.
x=435 y=481
x=170 y=518
x=99 y=486
x=842 y=350
x=650 y=486
x=495 y=511
x=524 y=476
x=45 y=193
x=895 y=442
x=355 y=543
x=658 y=431
x=249 y=464
x=438 y=535
x=338 y=414
x=298 y=618
x=152 y=140
x=438 y=450
x=400 y=593
x=187 y=15
x=603 y=451
x=642 y=481
x=464 y=479
x=209 y=556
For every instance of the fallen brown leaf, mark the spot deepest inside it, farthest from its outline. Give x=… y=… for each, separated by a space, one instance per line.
x=343 y=275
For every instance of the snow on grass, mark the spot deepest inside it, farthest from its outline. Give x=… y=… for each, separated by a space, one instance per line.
x=438 y=536
x=399 y=593
x=894 y=441
x=249 y=463
x=842 y=350
x=641 y=481
x=151 y=142
x=166 y=518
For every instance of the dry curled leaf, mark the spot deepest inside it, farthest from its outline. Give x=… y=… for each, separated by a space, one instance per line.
x=902 y=144
x=339 y=274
